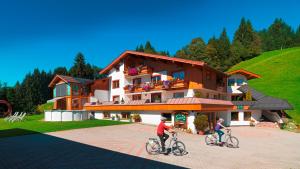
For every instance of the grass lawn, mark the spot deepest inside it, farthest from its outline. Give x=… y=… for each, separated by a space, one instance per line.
x=35 y=124
x=280 y=71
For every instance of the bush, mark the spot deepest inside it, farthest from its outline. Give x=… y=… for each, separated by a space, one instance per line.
x=41 y=108
x=136 y=118
x=201 y=122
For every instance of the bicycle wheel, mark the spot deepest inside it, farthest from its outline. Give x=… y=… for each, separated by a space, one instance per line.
x=152 y=148
x=232 y=142
x=209 y=139
x=178 y=148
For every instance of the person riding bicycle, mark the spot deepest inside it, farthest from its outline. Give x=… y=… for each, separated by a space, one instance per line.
x=218 y=128
x=161 y=132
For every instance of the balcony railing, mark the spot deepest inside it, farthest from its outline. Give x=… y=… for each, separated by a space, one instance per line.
x=138 y=70
x=160 y=85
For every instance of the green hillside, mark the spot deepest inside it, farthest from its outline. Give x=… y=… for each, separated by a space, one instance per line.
x=280 y=71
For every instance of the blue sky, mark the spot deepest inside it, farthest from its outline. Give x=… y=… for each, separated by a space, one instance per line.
x=49 y=33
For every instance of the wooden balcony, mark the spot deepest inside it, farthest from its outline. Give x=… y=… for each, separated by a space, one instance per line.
x=138 y=71
x=161 y=85
x=175 y=84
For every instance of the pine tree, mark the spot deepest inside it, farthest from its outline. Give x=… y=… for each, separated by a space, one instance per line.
x=79 y=67
x=278 y=36
x=60 y=71
x=140 y=48
x=297 y=37
x=246 y=38
x=211 y=53
x=223 y=50
x=193 y=51
x=149 y=48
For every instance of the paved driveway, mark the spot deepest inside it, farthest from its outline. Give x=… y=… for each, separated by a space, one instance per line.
x=123 y=146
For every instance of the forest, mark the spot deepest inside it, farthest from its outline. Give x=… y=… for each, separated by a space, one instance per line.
x=219 y=52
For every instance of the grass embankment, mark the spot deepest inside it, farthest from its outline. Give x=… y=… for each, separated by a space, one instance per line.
x=280 y=71
x=35 y=124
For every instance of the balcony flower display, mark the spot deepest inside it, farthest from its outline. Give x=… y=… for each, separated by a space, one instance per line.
x=147 y=87
x=133 y=71
x=131 y=88
x=166 y=84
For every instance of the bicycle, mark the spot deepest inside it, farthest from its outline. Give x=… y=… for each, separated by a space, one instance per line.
x=230 y=141
x=153 y=146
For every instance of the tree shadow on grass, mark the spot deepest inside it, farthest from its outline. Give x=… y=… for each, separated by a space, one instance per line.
x=41 y=151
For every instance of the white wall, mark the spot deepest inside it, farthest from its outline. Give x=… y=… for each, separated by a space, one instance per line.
x=99 y=115
x=66 y=115
x=101 y=95
x=150 y=117
x=114 y=75
x=255 y=115
x=190 y=121
x=169 y=94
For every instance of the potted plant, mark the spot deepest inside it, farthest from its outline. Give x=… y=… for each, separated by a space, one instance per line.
x=146 y=87
x=252 y=123
x=133 y=71
x=166 y=84
x=201 y=123
x=122 y=101
x=136 y=118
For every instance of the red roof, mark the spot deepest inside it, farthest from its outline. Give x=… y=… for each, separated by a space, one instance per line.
x=244 y=72
x=70 y=79
x=142 y=54
x=192 y=100
x=175 y=101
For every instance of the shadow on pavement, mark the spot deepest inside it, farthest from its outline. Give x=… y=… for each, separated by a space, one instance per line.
x=41 y=151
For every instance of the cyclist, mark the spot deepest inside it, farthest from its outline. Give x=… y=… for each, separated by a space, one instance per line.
x=161 y=132
x=218 y=128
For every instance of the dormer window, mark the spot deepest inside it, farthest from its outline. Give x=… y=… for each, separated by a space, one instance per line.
x=239 y=82
x=231 y=82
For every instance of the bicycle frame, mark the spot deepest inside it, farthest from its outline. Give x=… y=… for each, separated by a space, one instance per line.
x=227 y=134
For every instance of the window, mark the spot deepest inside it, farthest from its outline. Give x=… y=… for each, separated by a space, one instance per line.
x=137 y=97
x=178 y=75
x=239 y=82
x=156 y=78
x=231 y=82
x=75 y=90
x=234 y=116
x=178 y=95
x=156 y=98
x=106 y=115
x=117 y=68
x=116 y=99
x=61 y=90
x=168 y=116
x=247 y=116
x=116 y=84
x=125 y=115
x=137 y=81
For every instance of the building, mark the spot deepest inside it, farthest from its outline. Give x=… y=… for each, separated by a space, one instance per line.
x=153 y=86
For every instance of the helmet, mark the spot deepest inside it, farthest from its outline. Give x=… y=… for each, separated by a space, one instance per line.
x=221 y=120
x=162 y=118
